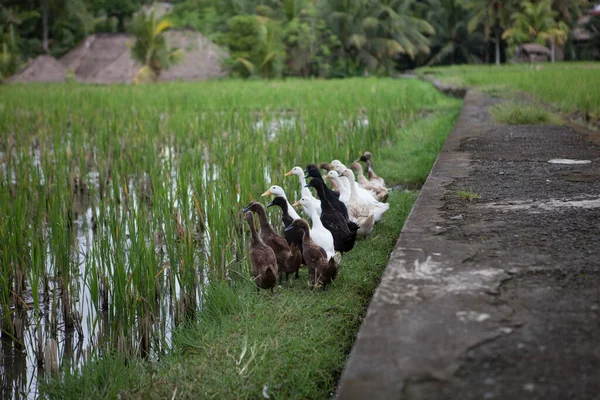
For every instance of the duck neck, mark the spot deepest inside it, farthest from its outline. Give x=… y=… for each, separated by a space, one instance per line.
x=264 y=222
x=370 y=168
x=360 y=174
x=316 y=220
x=325 y=204
x=255 y=237
x=288 y=209
x=306 y=240
x=303 y=189
x=341 y=187
x=291 y=212
x=353 y=189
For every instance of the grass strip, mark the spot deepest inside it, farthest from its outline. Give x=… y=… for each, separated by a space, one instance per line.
x=519 y=113
x=290 y=345
x=565 y=85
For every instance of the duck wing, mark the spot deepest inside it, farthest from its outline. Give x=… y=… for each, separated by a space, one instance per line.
x=343 y=237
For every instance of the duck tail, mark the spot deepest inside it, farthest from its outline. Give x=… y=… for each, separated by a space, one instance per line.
x=271 y=272
x=332 y=268
x=349 y=241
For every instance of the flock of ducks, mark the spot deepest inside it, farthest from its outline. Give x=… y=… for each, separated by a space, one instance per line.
x=340 y=214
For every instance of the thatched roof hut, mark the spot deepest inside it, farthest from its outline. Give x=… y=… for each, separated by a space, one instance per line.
x=532 y=52
x=106 y=58
x=41 y=69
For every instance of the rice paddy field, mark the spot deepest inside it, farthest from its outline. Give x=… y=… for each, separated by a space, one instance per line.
x=566 y=85
x=122 y=243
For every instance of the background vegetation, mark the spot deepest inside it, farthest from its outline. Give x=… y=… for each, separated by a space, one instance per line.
x=323 y=38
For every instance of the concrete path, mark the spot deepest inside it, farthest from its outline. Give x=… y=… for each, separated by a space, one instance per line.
x=498 y=297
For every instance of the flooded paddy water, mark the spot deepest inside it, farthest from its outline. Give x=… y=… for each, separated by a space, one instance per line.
x=121 y=204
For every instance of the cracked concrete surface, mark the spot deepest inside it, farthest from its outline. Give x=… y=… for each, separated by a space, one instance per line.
x=496 y=298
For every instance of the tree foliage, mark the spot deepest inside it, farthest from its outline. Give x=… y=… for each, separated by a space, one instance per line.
x=151 y=48
x=307 y=38
x=535 y=22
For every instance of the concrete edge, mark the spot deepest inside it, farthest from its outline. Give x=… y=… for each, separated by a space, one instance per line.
x=411 y=332
x=454 y=91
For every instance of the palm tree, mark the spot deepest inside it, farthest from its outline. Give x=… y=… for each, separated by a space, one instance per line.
x=453 y=43
x=377 y=32
x=10 y=53
x=535 y=22
x=493 y=15
x=151 y=48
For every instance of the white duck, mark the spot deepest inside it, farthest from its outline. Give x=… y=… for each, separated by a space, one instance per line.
x=343 y=190
x=358 y=210
x=366 y=195
x=381 y=192
x=278 y=191
x=343 y=179
x=318 y=233
x=378 y=208
x=299 y=172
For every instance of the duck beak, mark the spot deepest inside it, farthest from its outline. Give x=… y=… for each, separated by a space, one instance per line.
x=268 y=192
x=246 y=209
x=289 y=173
x=289 y=228
x=296 y=204
x=325 y=176
x=270 y=204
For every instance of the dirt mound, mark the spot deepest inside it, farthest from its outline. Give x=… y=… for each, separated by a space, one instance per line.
x=41 y=69
x=106 y=58
x=202 y=57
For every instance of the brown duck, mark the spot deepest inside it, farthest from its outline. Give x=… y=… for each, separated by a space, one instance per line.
x=321 y=271
x=367 y=158
x=262 y=259
x=286 y=261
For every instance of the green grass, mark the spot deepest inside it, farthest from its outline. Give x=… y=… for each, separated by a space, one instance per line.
x=519 y=113
x=420 y=143
x=467 y=195
x=569 y=86
x=290 y=345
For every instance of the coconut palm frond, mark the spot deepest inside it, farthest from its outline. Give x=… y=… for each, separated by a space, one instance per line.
x=247 y=64
x=145 y=74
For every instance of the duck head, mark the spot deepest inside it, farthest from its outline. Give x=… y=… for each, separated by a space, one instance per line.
x=349 y=174
x=312 y=171
x=278 y=201
x=356 y=166
x=325 y=166
x=275 y=191
x=253 y=206
x=333 y=175
x=299 y=224
x=316 y=183
x=295 y=171
x=366 y=156
x=306 y=204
